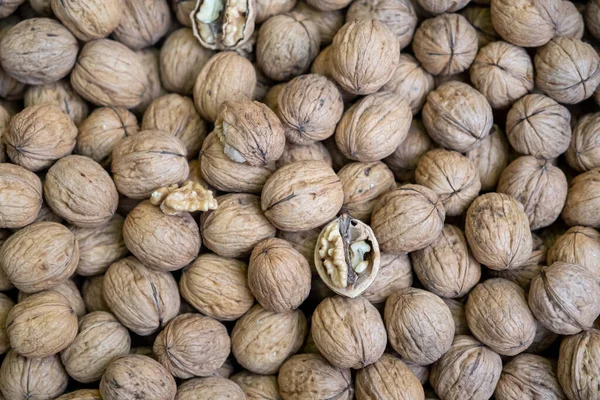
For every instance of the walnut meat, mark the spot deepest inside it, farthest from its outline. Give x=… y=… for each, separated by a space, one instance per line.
x=526 y=23
x=498 y=232
x=142 y=23
x=410 y=81
x=490 y=156
x=224 y=25
x=578 y=245
x=88 y=20
x=209 y=388
x=60 y=94
x=20 y=196
x=403 y=161
x=388 y=378
x=6 y=304
x=581 y=207
x=584 y=152
x=257 y=387
x=528 y=376
x=578 y=360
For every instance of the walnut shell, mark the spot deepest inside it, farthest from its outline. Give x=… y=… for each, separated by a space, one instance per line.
x=457 y=308
x=457 y=116
x=544 y=338
x=526 y=23
x=39 y=256
x=20 y=196
x=394 y=274
x=481 y=19
x=578 y=245
x=565 y=298
x=92 y=294
x=217 y=286
x=6 y=304
x=150 y=59
x=9 y=7
x=311 y=152
x=523 y=274
x=83 y=394
x=403 y=161
x=10 y=88
x=4 y=126
x=38 y=136
x=209 y=388
x=304 y=242
x=498 y=232
x=268 y=8
x=257 y=387
x=142 y=299
x=71 y=292
x=584 y=152
x=436 y=7
x=578 y=360
x=570 y=21
x=592 y=17
x=490 y=156
x=581 y=205
x=328 y=22
x=88 y=20
x=5 y=284
x=183 y=10
x=329 y=5
x=410 y=81
x=388 y=378
x=60 y=94
x=143 y=23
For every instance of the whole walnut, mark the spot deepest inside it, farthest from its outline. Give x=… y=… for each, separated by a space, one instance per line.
x=374 y=127
x=213 y=84
x=570 y=21
x=354 y=48
x=52 y=260
x=262 y=340
x=309 y=376
x=416 y=339
x=32 y=378
x=91 y=292
x=388 y=378
x=20 y=196
x=192 y=345
x=71 y=292
x=150 y=59
x=584 y=152
x=403 y=161
x=311 y=152
x=297 y=39
x=301 y=196
x=410 y=81
x=217 y=286
x=329 y=5
x=565 y=298
x=498 y=232
x=100 y=340
x=544 y=338
x=88 y=20
x=4 y=126
x=578 y=362
x=528 y=376
x=537 y=125
x=6 y=304
x=523 y=274
x=526 y=23
x=328 y=22
x=394 y=274
x=38 y=136
x=407 y=219
x=147 y=161
x=348 y=332
x=142 y=299
x=457 y=308
x=38 y=51
x=592 y=17
x=215 y=387
x=137 y=377
x=257 y=387
x=10 y=88
x=5 y=284
x=60 y=94
x=481 y=19
x=581 y=205
x=102 y=130
x=142 y=23
x=490 y=156
x=304 y=242
x=9 y=7
x=457 y=116
x=567 y=69
x=82 y=394
x=183 y=10
x=445 y=45
x=268 y=8
x=578 y=245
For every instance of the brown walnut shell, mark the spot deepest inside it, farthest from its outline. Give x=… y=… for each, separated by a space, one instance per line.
x=329 y=5
x=60 y=94
x=584 y=152
x=457 y=308
x=394 y=274
x=523 y=274
x=91 y=292
x=544 y=338
x=311 y=152
x=20 y=196
x=592 y=18
x=88 y=20
x=150 y=62
x=436 y=7
x=68 y=289
x=578 y=359
x=215 y=387
x=6 y=304
x=578 y=245
x=82 y=394
x=5 y=284
x=257 y=387
x=481 y=19
x=581 y=207
x=388 y=378
x=328 y=22
x=267 y=8
x=304 y=242
x=143 y=23
x=570 y=21
x=526 y=23
x=490 y=156
x=4 y=126
x=183 y=10
x=410 y=81
x=403 y=161
x=9 y=7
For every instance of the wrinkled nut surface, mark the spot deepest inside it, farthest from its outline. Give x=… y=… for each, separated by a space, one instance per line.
x=190 y=197
x=143 y=23
x=584 y=152
x=388 y=378
x=9 y=7
x=256 y=386
x=410 y=81
x=395 y=273
x=311 y=152
x=223 y=25
x=328 y=22
x=523 y=274
x=436 y=7
x=570 y=21
x=60 y=94
x=268 y=8
x=481 y=19
x=526 y=23
x=209 y=388
x=581 y=205
x=577 y=360
x=20 y=196
x=544 y=338
x=150 y=62
x=88 y=20
x=579 y=245
x=6 y=304
x=5 y=284
x=490 y=156
x=71 y=292
x=457 y=308
x=91 y=291
x=403 y=161
x=304 y=242
x=83 y=394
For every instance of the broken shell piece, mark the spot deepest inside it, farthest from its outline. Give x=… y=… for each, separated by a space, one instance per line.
x=224 y=24
x=190 y=197
x=347 y=256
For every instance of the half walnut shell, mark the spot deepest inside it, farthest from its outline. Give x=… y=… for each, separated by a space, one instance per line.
x=223 y=24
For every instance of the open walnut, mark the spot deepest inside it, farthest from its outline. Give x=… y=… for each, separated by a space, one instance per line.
x=190 y=197
x=223 y=24
x=347 y=256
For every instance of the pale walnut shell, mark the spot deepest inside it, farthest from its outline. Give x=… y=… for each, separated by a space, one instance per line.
x=82 y=394
x=6 y=304
x=297 y=39
x=388 y=378
x=100 y=340
x=364 y=56
x=181 y=60
x=457 y=308
x=143 y=300
x=39 y=256
x=457 y=116
x=10 y=88
x=446 y=267
x=436 y=7
x=137 y=377
x=537 y=125
x=544 y=338
x=528 y=377
x=150 y=59
x=89 y=20
x=578 y=245
x=329 y=5
x=160 y=241
x=565 y=298
x=497 y=230
x=578 y=359
x=570 y=21
x=268 y=8
x=490 y=156
x=91 y=292
x=526 y=23
x=581 y=207
x=394 y=274
x=60 y=94
x=148 y=161
x=4 y=126
x=209 y=389
x=192 y=345
x=9 y=7
x=328 y=22
x=71 y=292
x=183 y=10
x=143 y=23
x=32 y=378
x=217 y=286
x=40 y=8
x=407 y=219
x=422 y=341
x=349 y=333
x=403 y=161
x=445 y=45
x=38 y=136
x=177 y=115
x=592 y=17
x=374 y=127
x=262 y=340
x=5 y=284
x=481 y=19
x=567 y=69
x=411 y=82
x=257 y=387
x=304 y=242
x=523 y=274
x=584 y=152
x=311 y=152
x=20 y=196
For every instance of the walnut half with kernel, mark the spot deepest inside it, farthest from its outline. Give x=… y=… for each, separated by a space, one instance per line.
x=190 y=197
x=223 y=24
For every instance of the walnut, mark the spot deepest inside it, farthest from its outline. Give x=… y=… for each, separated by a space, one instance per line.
x=592 y=18
x=150 y=59
x=68 y=289
x=142 y=299
x=190 y=197
x=20 y=196
x=584 y=152
x=304 y=242
x=217 y=286
x=142 y=23
x=82 y=394
x=257 y=387
x=407 y=219
x=398 y=15
x=394 y=274
x=411 y=82
x=213 y=88
x=457 y=308
x=39 y=256
x=5 y=284
x=329 y=5
x=570 y=21
x=183 y=10
x=268 y=8
x=565 y=298
x=311 y=152
x=9 y=7
x=523 y=274
x=6 y=304
x=582 y=200
x=10 y=88
x=92 y=294
x=107 y=73
x=4 y=126
x=389 y=377
x=526 y=23
x=490 y=156
x=544 y=338
x=481 y=19
x=348 y=332
x=577 y=362
x=224 y=25
x=38 y=136
x=579 y=245
x=34 y=378
x=528 y=376
x=210 y=388
x=457 y=116
x=88 y=20
x=328 y=22
x=60 y=94
x=403 y=161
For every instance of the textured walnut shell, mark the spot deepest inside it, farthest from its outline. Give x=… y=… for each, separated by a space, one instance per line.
x=257 y=387
x=143 y=23
x=4 y=126
x=150 y=61
x=457 y=116
x=304 y=242
x=565 y=298
x=83 y=394
x=419 y=340
x=581 y=207
x=528 y=377
x=457 y=308
x=394 y=274
x=32 y=378
x=91 y=292
x=143 y=300
x=544 y=338
x=498 y=232
x=38 y=136
x=209 y=388
x=6 y=304
x=388 y=378
x=60 y=94
x=526 y=23
x=9 y=7
x=217 y=287
x=10 y=88
x=262 y=340
x=137 y=377
x=328 y=22
x=148 y=161
x=192 y=345
x=349 y=333
x=403 y=161
x=39 y=256
x=578 y=359
x=523 y=274
x=579 y=245
x=71 y=292
x=490 y=156
x=5 y=284
x=311 y=152
x=410 y=81
x=183 y=10
x=436 y=7
x=481 y=19
x=407 y=219
x=329 y=5
x=230 y=29
x=584 y=152
x=20 y=196
x=88 y=20
x=268 y=8
x=592 y=17
x=570 y=21
x=567 y=69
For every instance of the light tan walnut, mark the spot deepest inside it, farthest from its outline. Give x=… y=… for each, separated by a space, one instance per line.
x=523 y=274
x=584 y=152
x=209 y=388
x=257 y=387
x=304 y=242
x=526 y=23
x=410 y=81
x=592 y=18
x=88 y=20
x=481 y=19
x=20 y=196
x=528 y=376
x=183 y=10
x=581 y=207
x=71 y=292
x=6 y=304
x=91 y=292
x=388 y=378
x=311 y=152
x=142 y=23
x=490 y=156
x=60 y=94
x=570 y=21
x=403 y=161
x=578 y=245
x=578 y=359
x=457 y=308
x=544 y=338
x=394 y=274
x=9 y=7
x=82 y=394
x=267 y=8
x=150 y=59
